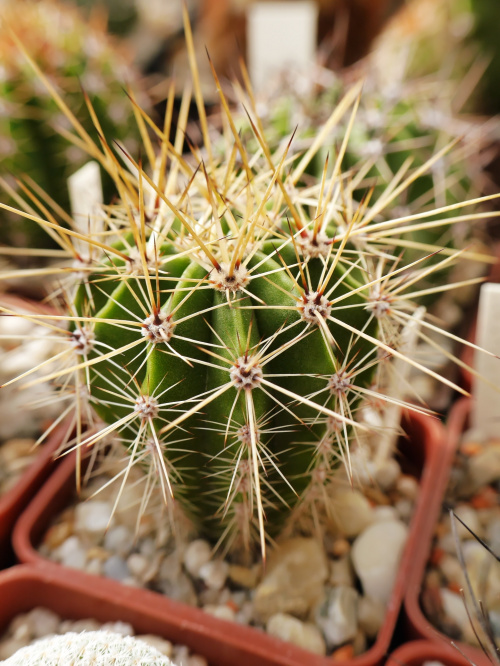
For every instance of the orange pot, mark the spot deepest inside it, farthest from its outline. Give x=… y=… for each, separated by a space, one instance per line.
x=226 y=643
x=417 y=653
x=13 y=502
x=417 y=625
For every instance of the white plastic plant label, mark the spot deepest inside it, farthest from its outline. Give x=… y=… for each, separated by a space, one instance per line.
x=485 y=414
x=86 y=198
x=280 y=35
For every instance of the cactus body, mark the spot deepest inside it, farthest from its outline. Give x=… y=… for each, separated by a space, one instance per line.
x=231 y=314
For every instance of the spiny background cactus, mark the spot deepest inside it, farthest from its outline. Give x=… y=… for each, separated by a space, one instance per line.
x=227 y=318
x=410 y=108
x=87 y=649
x=73 y=53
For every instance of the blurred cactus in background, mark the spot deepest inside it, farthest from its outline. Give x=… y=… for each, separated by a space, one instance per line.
x=74 y=54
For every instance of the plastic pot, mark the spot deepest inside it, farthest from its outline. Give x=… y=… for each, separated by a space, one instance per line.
x=15 y=500
x=417 y=625
x=420 y=453
x=417 y=653
x=25 y=587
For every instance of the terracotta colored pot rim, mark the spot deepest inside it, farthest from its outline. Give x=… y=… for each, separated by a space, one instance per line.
x=252 y=646
x=15 y=500
x=416 y=653
x=418 y=625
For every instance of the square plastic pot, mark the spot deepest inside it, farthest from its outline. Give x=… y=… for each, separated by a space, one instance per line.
x=420 y=453
x=25 y=587
x=16 y=499
x=418 y=653
x=416 y=624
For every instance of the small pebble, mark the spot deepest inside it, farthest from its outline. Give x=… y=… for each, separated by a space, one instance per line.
x=118 y=539
x=223 y=612
x=214 y=574
x=93 y=517
x=197 y=554
x=337 y=615
x=387 y=474
x=303 y=634
x=376 y=554
x=116 y=568
x=351 y=512
x=371 y=615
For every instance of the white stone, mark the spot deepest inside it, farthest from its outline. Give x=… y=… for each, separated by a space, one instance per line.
x=122 y=628
x=198 y=553
x=116 y=568
x=384 y=513
x=92 y=517
x=484 y=468
x=71 y=553
x=451 y=569
x=161 y=644
x=351 y=512
x=137 y=565
x=454 y=607
x=222 y=611
x=469 y=516
x=404 y=509
x=118 y=540
x=408 y=487
x=214 y=574
x=337 y=616
x=341 y=572
x=303 y=634
x=387 y=473
x=376 y=554
x=294 y=579
x=371 y=615
x=180 y=589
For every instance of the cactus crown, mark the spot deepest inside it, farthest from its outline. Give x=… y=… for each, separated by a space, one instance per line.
x=233 y=312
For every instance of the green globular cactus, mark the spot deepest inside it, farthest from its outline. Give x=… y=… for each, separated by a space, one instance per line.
x=229 y=318
x=73 y=54
x=87 y=649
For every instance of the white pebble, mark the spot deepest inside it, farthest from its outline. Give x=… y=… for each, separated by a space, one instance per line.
x=118 y=540
x=161 y=644
x=197 y=554
x=223 y=612
x=408 y=487
x=404 y=509
x=94 y=567
x=137 y=565
x=376 y=554
x=337 y=616
x=351 y=512
x=122 y=628
x=214 y=574
x=371 y=614
x=384 y=513
x=71 y=553
x=116 y=568
x=454 y=607
x=92 y=517
x=387 y=473
x=303 y=634
x=469 y=516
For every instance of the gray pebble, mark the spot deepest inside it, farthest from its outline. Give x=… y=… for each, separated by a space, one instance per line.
x=116 y=568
